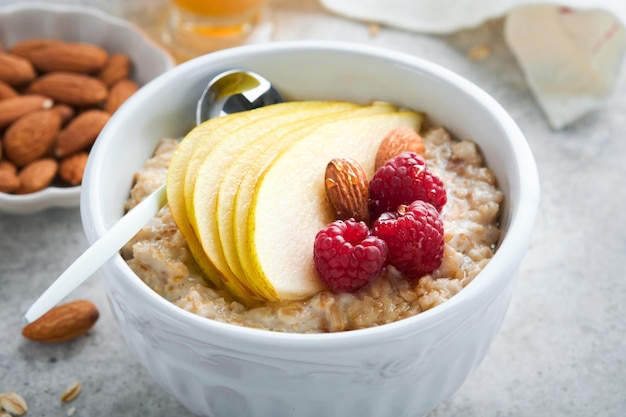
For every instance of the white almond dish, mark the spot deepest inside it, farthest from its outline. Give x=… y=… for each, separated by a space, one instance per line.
x=26 y=20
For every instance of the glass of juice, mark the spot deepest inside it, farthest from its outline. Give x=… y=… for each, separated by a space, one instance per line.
x=195 y=27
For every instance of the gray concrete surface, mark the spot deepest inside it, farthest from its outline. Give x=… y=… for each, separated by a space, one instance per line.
x=562 y=348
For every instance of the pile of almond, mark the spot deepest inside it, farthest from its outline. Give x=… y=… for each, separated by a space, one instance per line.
x=55 y=97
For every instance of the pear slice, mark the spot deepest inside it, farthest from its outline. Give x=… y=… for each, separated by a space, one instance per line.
x=208 y=174
x=233 y=237
x=289 y=205
x=175 y=186
x=176 y=199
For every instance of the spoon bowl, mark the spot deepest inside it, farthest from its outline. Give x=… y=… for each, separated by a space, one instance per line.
x=235 y=91
x=228 y=92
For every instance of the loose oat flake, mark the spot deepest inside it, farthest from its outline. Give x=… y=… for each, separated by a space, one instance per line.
x=13 y=403
x=374 y=29
x=71 y=392
x=479 y=52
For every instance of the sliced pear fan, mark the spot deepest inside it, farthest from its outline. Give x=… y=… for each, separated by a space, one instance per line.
x=246 y=190
x=210 y=175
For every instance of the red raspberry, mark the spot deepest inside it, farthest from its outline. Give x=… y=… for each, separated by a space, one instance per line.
x=414 y=236
x=402 y=180
x=347 y=257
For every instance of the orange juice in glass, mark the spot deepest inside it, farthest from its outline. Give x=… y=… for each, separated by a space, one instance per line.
x=194 y=27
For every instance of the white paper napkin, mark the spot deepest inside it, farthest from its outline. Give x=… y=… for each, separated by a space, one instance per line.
x=571 y=51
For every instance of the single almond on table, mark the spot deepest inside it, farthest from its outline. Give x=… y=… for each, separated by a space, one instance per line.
x=72 y=167
x=37 y=175
x=81 y=132
x=15 y=107
x=69 y=56
x=119 y=93
x=15 y=70
x=117 y=68
x=64 y=322
x=31 y=136
x=6 y=91
x=70 y=88
x=396 y=141
x=346 y=186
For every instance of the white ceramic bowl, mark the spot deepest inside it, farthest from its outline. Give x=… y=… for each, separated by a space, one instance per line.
x=26 y=20
x=405 y=368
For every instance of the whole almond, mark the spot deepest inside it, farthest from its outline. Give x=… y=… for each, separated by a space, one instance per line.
x=81 y=132
x=31 y=136
x=117 y=68
x=15 y=70
x=6 y=91
x=347 y=189
x=398 y=140
x=13 y=108
x=119 y=93
x=70 y=88
x=37 y=175
x=9 y=182
x=69 y=57
x=26 y=47
x=72 y=167
x=64 y=322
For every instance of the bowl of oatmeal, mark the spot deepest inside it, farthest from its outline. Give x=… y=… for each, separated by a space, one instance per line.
x=395 y=346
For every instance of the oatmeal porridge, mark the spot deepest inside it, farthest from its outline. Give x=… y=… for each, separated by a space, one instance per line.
x=159 y=254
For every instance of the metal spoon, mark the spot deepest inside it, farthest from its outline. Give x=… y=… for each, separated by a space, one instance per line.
x=235 y=91
x=229 y=92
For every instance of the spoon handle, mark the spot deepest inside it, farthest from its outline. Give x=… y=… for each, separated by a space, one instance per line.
x=97 y=254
